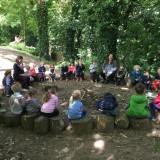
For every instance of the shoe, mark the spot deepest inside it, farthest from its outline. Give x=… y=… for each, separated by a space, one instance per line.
x=153 y=119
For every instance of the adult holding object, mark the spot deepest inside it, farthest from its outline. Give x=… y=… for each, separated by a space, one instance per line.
x=18 y=73
x=109 y=68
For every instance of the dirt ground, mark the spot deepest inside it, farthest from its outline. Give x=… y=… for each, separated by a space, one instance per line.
x=16 y=144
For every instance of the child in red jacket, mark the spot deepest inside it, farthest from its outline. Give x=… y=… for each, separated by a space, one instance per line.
x=156 y=82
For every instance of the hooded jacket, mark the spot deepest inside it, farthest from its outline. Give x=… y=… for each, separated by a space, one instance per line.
x=157 y=101
x=138 y=107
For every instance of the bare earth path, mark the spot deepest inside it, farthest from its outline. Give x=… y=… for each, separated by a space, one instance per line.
x=16 y=144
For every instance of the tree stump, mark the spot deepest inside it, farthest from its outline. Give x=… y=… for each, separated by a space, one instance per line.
x=104 y=123
x=2 y=112
x=82 y=126
x=11 y=119
x=140 y=124
x=121 y=121
x=41 y=125
x=66 y=121
x=46 y=87
x=56 y=124
x=27 y=121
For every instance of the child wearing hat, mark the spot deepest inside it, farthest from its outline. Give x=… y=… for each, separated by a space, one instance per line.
x=7 y=82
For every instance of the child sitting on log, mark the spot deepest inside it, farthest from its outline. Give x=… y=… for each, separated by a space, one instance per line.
x=155 y=106
x=136 y=75
x=138 y=103
x=32 y=104
x=17 y=101
x=7 y=82
x=50 y=105
x=76 y=109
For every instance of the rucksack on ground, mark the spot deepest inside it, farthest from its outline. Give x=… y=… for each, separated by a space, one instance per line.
x=108 y=102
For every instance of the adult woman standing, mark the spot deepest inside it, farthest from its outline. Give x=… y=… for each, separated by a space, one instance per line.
x=18 y=73
x=109 y=68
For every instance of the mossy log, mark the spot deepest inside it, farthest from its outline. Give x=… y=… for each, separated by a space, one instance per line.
x=11 y=119
x=27 y=121
x=82 y=126
x=140 y=124
x=41 y=125
x=56 y=124
x=2 y=112
x=121 y=121
x=104 y=123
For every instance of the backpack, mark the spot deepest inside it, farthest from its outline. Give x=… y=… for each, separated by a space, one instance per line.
x=108 y=102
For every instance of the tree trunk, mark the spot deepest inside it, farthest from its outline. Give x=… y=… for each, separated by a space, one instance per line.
x=42 y=18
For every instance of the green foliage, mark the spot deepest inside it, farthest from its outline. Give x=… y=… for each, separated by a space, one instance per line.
x=128 y=29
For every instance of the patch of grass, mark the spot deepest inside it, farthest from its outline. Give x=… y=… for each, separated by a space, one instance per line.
x=156 y=148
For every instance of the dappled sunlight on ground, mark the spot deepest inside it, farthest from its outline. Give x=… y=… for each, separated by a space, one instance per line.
x=99 y=144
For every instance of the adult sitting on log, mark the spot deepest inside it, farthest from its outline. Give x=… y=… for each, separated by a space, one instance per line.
x=18 y=73
x=109 y=68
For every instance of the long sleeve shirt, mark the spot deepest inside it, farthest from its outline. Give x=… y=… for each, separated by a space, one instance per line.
x=51 y=105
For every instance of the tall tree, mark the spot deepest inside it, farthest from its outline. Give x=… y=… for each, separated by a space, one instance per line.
x=43 y=38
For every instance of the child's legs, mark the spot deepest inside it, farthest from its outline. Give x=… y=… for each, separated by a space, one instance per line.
x=7 y=90
x=82 y=75
x=152 y=110
x=55 y=113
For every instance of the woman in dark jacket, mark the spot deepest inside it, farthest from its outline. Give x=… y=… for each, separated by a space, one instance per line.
x=18 y=73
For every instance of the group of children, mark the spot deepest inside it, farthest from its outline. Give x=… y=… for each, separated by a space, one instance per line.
x=48 y=107
x=31 y=104
x=72 y=71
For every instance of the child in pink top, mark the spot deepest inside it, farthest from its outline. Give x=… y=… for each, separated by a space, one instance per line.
x=50 y=105
x=71 y=71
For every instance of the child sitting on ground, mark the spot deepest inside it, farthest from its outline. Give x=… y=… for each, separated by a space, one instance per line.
x=80 y=70
x=32 y=105
x=7 y=82
x=119 y=77
x=50 y=105
x=71 y=71
x=138 y=104
x=136 y=75
x=52 y=74
x=33 y=71
x=147 y=80
x=93 y=72
x=29 y=73
x=156 y=82
x=17 y=101
x=64 y=71
x=41 y=72
x=155 y=106
x=76 y=109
